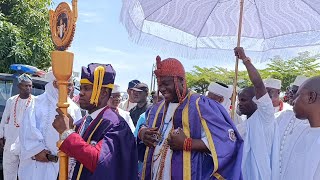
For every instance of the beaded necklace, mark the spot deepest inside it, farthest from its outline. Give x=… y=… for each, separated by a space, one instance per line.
x=15 y=110
x=165 y=147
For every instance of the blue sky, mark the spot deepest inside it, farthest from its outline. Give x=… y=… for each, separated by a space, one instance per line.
x=101 y=38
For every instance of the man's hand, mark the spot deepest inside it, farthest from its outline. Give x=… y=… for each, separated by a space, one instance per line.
x=239 y=52
x=149 y=136
x=176 y=139
x=61 y=122
x=71 y=125
x=42 y=156
x=2 y=142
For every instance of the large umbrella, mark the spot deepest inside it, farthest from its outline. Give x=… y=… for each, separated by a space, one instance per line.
x=205 y=28
x=201 y=28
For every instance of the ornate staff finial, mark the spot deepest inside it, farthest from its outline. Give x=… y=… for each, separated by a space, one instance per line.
x=63 y=24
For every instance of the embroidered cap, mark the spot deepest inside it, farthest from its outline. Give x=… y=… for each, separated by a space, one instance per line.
x=99 y=75
x=24 y=78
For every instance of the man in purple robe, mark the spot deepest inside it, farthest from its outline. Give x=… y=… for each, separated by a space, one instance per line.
x=102 y=143
x=188 y=136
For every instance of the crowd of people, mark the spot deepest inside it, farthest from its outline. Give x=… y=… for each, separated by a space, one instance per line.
x=175 y=134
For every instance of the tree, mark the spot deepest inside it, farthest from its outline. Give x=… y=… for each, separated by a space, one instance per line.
x=287 y=71
x=199 y=78
x=304 y=64
x=24 y=33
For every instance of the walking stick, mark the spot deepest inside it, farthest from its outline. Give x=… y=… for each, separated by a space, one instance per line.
x=235 y=81
x=62 y=26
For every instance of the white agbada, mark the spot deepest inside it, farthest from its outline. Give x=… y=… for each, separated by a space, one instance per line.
x=301 y=159
x=127 y=105
x=299 y=148
x=126 y=116
x=261 y=144
x=10 y=132
x=38 y=134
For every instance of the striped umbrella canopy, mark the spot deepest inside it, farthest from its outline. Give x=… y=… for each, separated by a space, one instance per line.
x=207 y=28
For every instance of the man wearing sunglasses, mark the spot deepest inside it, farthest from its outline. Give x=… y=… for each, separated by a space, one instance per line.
x=114 y=102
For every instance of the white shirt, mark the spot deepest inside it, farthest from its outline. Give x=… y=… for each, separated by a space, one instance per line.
x=167 y=128
x=8 y=130
x=127 y=105
x=260 y=142
x=126 y=116
x=93 y=115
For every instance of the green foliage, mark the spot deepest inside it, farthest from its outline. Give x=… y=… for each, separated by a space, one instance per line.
x=304 y=64
x=24 y=33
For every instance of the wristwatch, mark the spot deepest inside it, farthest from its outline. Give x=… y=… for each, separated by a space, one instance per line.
x=66 y=133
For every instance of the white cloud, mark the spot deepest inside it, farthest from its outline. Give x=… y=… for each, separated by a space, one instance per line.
x=102 y=49
x=90 y=17
x=87 y=14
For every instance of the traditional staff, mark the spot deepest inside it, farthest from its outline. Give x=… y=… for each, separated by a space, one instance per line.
x=235 y=81
x=62 y=25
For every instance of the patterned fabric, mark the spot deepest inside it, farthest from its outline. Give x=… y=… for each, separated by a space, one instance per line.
x=24 y=78
x=169 y=67
x=203 y=28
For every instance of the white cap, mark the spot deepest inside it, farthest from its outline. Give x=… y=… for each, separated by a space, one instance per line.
x=272 y=83
x=116 y=89
x=219 y=90
x=299 y=80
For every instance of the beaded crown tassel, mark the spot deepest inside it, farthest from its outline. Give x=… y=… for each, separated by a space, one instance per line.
x=172 y=67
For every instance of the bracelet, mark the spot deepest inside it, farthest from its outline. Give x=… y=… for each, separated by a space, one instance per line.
x=66 y=133
x=246 y=60
x=187 y=144
x=139 y=133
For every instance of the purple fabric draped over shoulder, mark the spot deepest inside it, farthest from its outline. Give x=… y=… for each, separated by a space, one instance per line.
x=225 y=142
x=118 y=154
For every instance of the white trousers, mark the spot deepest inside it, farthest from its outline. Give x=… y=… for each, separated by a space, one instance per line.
x=10 y=165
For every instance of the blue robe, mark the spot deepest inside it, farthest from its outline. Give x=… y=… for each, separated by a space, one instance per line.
x=225 y=143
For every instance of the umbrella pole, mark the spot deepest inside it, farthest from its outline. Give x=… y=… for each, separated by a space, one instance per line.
x=235 y=81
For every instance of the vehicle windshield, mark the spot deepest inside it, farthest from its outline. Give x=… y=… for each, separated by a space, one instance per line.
x=5 y=91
